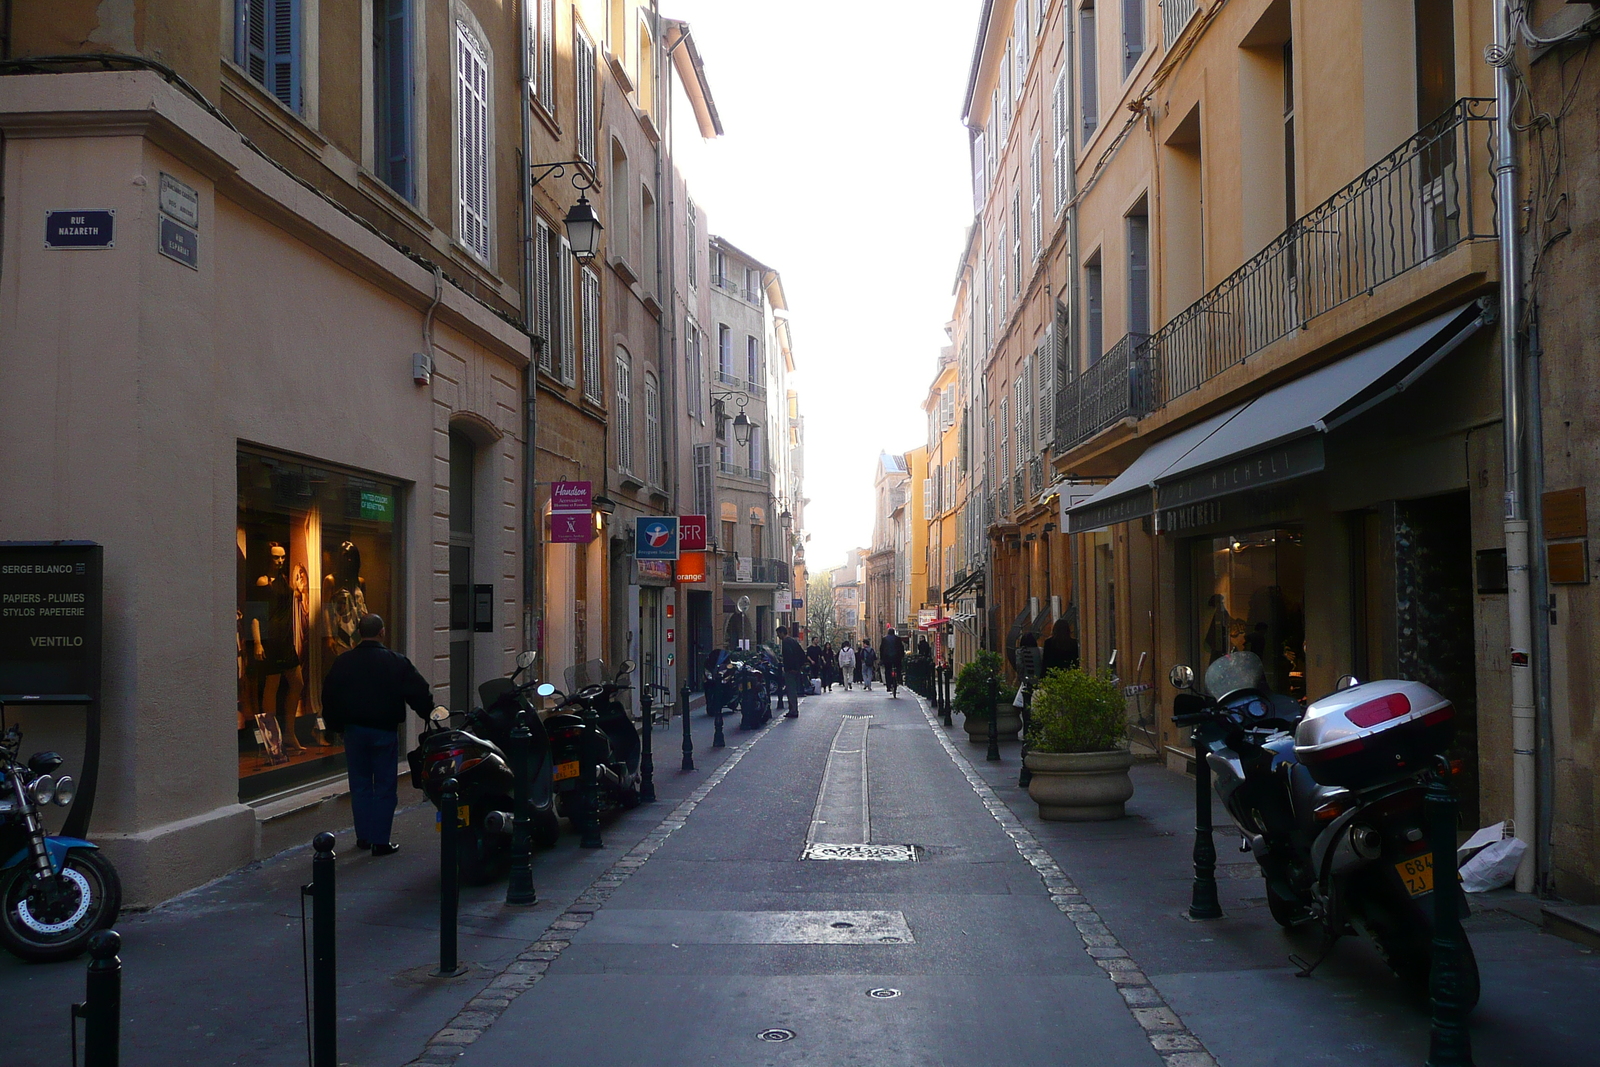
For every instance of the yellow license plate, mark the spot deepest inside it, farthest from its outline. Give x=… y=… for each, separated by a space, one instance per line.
x=566 y=770
x=463 y=817
x=1417 y=874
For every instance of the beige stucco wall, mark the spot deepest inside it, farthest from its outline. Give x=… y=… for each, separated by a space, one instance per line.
x=130 y=380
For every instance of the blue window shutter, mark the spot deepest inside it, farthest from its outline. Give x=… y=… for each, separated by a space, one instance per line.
x=396 y=89
x=250 y=37
x=283 y=55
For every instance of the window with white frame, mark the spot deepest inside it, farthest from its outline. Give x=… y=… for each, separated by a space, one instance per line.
x=724 y=352
x=565 y=311
x=758 y=455
x=266 y=43
x=589 y=304
x=1061 y=153
x=652 y=431
x=623 y=412
x=694 y=358
x=1132 y=34
x=703 y=480
x=693 y=251
x=927 y=498
x=752 y=359
x=544 y=71
x=544 y=251
x=472 y=141
x=1016 y=239
x=1035 y=206
x=1088 y=68
x=617 y=226
x=583 y=97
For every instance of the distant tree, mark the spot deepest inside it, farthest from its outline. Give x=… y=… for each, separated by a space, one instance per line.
x=819 y=609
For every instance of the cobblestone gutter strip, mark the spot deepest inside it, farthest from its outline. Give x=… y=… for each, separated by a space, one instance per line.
x=530 y=965
x=1172 y=1040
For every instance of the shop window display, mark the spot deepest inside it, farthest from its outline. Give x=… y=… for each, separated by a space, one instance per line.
x=316 y=551
x=1250 y=593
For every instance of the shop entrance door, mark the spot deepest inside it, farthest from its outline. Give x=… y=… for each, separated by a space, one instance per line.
x=461 y=463
x=700 y=634
x=1250 y=596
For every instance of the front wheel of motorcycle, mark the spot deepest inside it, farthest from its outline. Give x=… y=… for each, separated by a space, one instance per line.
x=42 y=923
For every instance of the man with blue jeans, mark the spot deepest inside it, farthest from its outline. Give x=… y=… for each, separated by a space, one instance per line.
x=794 y=670
x=364 y=696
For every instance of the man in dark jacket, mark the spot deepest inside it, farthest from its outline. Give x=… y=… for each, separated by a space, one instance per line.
x=794 y=670
x=364 y=696
x=892 y=654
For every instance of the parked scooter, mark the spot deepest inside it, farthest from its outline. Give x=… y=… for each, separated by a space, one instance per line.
x=476 y=757
x=756 y=686
x=54 y=891
x=593 y=742
x=1329 y=801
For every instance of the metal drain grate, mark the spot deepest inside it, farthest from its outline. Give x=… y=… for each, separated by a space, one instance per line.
x=882 y=993
x=885 y=853
x=776 y=1033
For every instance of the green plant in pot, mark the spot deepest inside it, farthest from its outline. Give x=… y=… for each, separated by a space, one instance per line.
x=972 y=698
x=1078 y=749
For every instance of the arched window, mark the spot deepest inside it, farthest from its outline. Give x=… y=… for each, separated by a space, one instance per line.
x=652 y=431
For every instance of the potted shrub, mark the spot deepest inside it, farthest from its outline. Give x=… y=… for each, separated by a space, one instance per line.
x=972 y=699
x=1078 y=748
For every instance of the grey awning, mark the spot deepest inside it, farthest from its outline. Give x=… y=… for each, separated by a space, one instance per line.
x=1131 y=494
x=1279 y=435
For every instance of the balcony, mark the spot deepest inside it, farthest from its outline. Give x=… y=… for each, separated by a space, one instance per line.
x=755 y=474
x=1421 y=201
x=1175 y=15
x=759 y=570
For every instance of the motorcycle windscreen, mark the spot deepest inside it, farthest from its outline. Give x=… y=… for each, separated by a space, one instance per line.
x=1234 y=672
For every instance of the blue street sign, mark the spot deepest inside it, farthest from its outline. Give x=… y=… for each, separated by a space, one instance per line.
x=655 y=537
x=180 y=243
x=80 y=229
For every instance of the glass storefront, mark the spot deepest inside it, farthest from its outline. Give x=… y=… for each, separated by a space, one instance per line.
x=317 y=549
x=1250 y=596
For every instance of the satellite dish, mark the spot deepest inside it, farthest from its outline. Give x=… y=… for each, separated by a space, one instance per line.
x=743 y=604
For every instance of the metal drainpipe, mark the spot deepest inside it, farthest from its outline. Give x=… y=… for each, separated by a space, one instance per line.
x=1518 y=607
x=530 y=487
x=1543 y=619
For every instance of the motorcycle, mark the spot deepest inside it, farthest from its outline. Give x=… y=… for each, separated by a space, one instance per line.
x=593 y=742
x=475 y=756
x=1328 y=799
x=758 y=680
x=54 y=891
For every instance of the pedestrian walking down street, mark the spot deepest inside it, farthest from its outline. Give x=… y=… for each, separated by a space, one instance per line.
x=892 y=654
x=868 y=660
x=1030 y=667
x=817 y=666
x=364 y=696
x=855 y=672
x=847 y=664
x=1060 y=649
x=794 y=671
x=830 y=667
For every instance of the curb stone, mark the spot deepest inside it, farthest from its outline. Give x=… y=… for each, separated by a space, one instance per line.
x=1174 y=1042
x=529 y=966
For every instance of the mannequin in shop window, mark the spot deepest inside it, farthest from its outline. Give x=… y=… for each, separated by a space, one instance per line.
x=1219 y=635
x=276 y=659
x=344 y=601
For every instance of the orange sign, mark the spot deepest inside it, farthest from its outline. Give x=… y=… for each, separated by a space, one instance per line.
x=691 y=567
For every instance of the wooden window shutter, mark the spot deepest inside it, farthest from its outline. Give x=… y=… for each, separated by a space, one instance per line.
x=1061 y=156
x=624 y=412
x=1025 y=392
x=583 y=59
x=1035 y=212
x=589 y=298
x=545 y=82
x=652 y=432
x=472 y=133
x=1044 y=369
x=542 y=295
x=565 y=306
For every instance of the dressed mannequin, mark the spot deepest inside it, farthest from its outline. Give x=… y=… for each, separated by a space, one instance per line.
x=276 y=661
x=344 y=601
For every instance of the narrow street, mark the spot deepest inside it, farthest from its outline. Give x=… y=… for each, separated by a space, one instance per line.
x=699 y=928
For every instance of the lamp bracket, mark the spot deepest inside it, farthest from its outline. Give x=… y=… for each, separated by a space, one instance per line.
x=582 y=177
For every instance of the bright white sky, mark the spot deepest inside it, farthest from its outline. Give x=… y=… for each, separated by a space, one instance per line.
x=844 y=168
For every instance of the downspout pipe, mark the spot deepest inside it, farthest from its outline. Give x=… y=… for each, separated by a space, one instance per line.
x=531 y=522
x=1518 y=585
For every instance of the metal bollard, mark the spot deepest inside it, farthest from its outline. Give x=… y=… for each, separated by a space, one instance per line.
x=647 y=760
x=520 y=891
x=589 y=805
x=101 y=1010
x=688 y=739
x=324 y=962
x=717 y=739
x=1203 y=902
x=948 y=721
x=449 y=881
x=1449 y=1044
x=994 y=717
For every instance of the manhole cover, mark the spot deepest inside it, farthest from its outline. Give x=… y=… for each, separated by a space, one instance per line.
x=883 y=994
x=889 y=853
x=777 y=1033
x=842 y=926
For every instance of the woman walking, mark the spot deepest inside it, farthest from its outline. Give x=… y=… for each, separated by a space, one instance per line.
x=868 y=659
x=847 y=665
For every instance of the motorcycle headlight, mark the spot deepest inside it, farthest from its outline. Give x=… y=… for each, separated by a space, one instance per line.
x=43 y=789
x=66 y=789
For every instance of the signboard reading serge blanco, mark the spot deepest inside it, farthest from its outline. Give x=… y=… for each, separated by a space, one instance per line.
x=80 y=229
x=49 y=622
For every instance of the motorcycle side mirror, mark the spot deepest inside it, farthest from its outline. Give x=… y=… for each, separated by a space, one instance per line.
x=439 y=714
x=546 y=689
x=1346 y=682
x=525 y=660
x=1181 y=676
x=627 y=668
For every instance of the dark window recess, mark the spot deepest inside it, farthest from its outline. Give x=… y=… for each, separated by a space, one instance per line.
x=391 y=94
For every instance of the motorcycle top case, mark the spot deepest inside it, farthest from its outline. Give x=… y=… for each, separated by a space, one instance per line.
x=1373 y=733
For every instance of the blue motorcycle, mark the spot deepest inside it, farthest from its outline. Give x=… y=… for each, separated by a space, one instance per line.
x=54 y=891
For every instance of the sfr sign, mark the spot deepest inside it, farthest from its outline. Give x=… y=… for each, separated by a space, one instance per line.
x=692 y=533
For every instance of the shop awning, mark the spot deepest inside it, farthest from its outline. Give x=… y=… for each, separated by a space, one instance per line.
x=1279 y=435
x=1131 y=494
x=1276 y=437
x=974 y=580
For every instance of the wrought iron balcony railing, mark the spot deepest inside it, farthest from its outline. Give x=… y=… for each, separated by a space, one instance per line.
x=1116 y=386
x=756 y=571
x=1175 y=15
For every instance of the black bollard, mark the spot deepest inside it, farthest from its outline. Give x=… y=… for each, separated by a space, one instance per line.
x=589 y=804
x=1203 y=902
x=520 y=891
x=948 y=721
x=647 y=760
x=688 y=740
x=101 y=1010
x=717 y=739
x=449 y=881
x=994 y=718
x=324 y=963
x=1449 y=1044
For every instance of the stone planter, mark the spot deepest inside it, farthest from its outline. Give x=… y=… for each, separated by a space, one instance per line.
x=1009 y=722
x=1080 y=786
